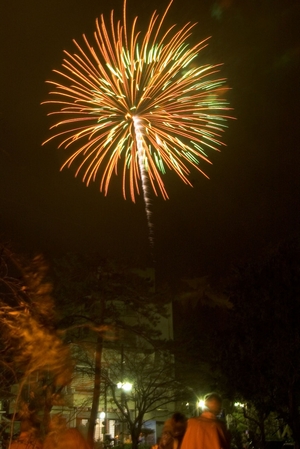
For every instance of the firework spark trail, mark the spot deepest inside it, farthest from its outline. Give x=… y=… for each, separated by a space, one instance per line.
x=139 y=102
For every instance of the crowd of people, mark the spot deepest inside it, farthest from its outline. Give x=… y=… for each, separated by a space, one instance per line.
x=206 y=431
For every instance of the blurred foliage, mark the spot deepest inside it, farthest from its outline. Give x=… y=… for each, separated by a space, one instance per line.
x=35 y=364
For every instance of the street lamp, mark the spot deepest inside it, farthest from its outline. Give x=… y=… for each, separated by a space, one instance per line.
x=201 y=404
x=102 y=425
x=125 y=387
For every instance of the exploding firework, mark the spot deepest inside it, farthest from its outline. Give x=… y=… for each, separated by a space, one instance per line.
x=139 y=104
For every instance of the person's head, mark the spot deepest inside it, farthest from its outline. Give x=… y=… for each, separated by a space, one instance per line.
x=179 y=425
x=213 y=402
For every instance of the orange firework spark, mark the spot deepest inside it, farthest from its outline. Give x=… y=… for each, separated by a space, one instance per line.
x=139 y=102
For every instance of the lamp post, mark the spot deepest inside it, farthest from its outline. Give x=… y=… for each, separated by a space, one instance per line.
x=124 y=387
x=102 y=427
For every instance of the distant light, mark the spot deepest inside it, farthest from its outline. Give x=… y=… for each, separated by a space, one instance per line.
x=102 y=415
x=238 y=404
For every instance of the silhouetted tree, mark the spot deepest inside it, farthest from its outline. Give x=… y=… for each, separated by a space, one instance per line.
x=199 y=309
x=104 y=304
x=258 y=353
x=153 y=387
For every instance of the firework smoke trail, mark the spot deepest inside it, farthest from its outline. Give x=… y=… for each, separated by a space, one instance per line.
x=139 y=102
x=143 y=164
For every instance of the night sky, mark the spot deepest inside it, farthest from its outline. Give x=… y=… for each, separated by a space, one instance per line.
x=252 y=197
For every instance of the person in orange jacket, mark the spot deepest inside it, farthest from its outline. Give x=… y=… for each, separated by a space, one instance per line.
x=207 y=431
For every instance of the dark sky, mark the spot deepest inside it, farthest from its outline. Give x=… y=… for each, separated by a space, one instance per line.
x=252 y=197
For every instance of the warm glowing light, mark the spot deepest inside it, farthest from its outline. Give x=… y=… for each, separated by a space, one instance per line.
x=126 y=386
x=201 y=404
x=140 y=102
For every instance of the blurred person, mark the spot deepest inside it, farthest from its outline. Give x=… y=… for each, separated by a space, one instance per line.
x=173 y=432
x=62 y=437
x=28 y=438
x=207 y=431
x=176 y=427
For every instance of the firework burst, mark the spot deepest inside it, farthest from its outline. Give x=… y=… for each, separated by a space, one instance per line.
x=139 y=104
